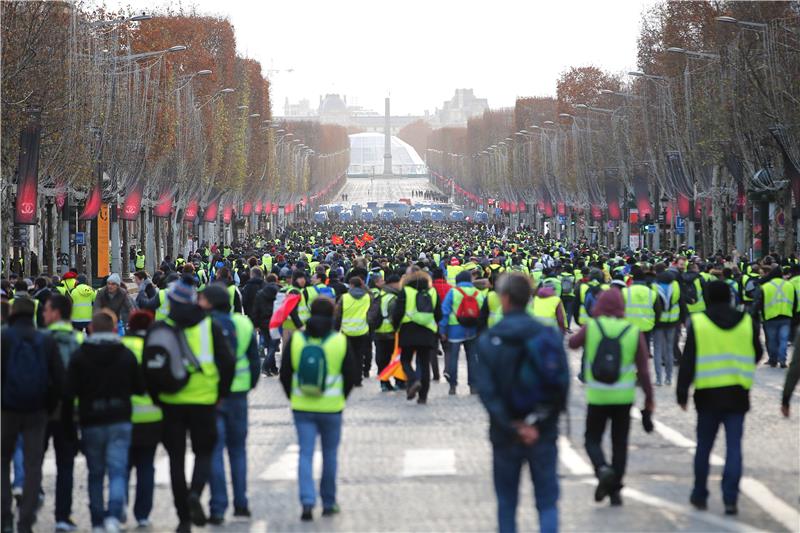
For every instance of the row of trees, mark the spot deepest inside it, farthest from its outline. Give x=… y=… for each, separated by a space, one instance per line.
x=154 y=115
x=706 y=130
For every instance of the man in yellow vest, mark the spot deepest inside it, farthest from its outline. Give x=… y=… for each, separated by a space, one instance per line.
x=146 y=418
x=777 y=305
x=351 y=320
x=642 y=304
x=232 y=411
x=667 y=324
x=384 y=332
x=611 y=390
x=462 y=321
x=139 y=261
x=453 y=269
x=82 y=303
x=548 y=308
x=719 y=359
x=317 y=373
x=192 y=409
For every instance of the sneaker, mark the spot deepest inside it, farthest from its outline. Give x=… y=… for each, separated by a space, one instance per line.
x=412 y=390
x=605 y=477
x=66 y=525
x=111 y=524
x=196 y=513
x=615 y=498
x=452 y=391
x=184 y=527
x=698 y=504
x=330 y=511
x=658 y=383
x=308 y=514
x=422 y=401
x=399 y=385
x=784 y=365
x=731 y=509
x=216 y=520
x=241 y=512
x=446 y=375
x=143 y=523
x=668 y=382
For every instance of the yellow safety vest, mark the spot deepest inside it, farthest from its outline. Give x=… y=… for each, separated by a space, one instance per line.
x=412 y=314
x=332 y=399
x=162 y=312
x=495 y=308
x=244 y=336
x=386 y=299
x=139 y=262
x=144 y=411
x=672 y=310
x=725 y=357
x=544 y=310
x=354 y=315
x=202 y=387
x=82 y=301
x=457 y=297
x=639 y=310
x=779 y=296
x=623 y=391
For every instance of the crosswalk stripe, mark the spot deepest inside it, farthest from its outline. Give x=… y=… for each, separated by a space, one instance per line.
x=429 y=462
x=162 y=469
x=285 y=468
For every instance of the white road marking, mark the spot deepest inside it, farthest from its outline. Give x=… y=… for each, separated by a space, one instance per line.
x=259 y=526
x=578 y=466
x=162 y=469
x=285 y=468
x=429 y=462
x=49 y=467
x=778 y=509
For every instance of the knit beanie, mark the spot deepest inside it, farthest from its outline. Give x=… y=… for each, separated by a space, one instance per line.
x=183 y=291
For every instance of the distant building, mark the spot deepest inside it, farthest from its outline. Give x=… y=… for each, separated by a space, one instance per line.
x=367 y=156
x=460 y=108
x=300 y=109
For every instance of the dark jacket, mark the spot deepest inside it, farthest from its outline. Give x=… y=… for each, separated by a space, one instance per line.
x=263 y=305
x=119 y=302
x=319 y=327
x=228 y=327
x=733 y=399
x=412 y=334
x=498 y=355
x=23 y=325
x=355 y=292
x=147 y=292
x=792 y=377
x=249 y=291
x=103 y=374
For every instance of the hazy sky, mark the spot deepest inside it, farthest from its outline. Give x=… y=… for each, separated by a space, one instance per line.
x=421 y=50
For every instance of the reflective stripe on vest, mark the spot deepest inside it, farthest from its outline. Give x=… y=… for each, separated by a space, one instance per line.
x=725 y=357
x=544 y=310
x=456 y=301
x=202 y=386
x=386 y=326
x=623 y=391
x=332 y=399
x=244 y=336
x=778 y=299
x=143 y=410
x=673 y=313
x=82 y=300
x=354 y=315
x=700 y=304
x=411 y=313
x=639 y=311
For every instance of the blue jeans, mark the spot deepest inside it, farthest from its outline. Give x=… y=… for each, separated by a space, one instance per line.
x=19 y=465
x=707 y=425
x=231 y=434
x=142 y=458
x=663 y=346
x=106 y=449
x=271 y=346
x=329 y=427
x=542 y=459
x=470 y=348
x=66 y=448
x=776 y=332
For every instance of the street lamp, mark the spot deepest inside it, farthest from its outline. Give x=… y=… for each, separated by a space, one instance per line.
x=731 y=20
x=690 y=53
x=639 y=74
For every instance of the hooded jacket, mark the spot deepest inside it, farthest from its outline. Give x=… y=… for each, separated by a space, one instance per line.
x=561 y=319
x=610 y=303
x=456 y=332
x=355 y=292
x=249 y=290
x=264 y=304
x=733 y=399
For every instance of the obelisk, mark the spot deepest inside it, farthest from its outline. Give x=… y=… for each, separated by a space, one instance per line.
x=387 y=143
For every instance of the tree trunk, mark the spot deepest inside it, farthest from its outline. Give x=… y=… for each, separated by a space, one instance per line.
x=716 y=210
x=788 y=222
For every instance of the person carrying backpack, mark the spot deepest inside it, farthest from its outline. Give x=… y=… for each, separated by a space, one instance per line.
x=380 y=320
x=351 y=320
x=32 y=379
x=56 y=313
x=523 y=382
x=461 y=321
x=615 y=358
x=262 y=314
x=317 y=374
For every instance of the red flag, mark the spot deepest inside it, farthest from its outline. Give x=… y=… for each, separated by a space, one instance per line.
x=227 y=214
x=359 y=242
x=259 y=207
x=367 y=237
x=337 y=240
x=283 y=312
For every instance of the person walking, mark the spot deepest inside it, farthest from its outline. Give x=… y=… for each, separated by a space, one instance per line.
x=383 y=330
x=523 y=418
x=82 y=296
x=667 y=324
x=459 y=326
x=642 y=303
x=351 y=320
x=317 y=400
x=56 y=312
x=102 y=376
x=546 y=306
x=192 y=409
x=32 y=379
x=115 y=298
x=611 y=394
x=777 y=305
x=415 y=316
x=262 y=313
x=719 y=359
x=146 y=418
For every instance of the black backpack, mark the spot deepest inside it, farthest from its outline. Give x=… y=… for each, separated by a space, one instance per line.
x=67 y=344
x=167 y=359
x=689 y=289
x=608 y=358
x=424 y=301
x=541 y=374
x=25 y=389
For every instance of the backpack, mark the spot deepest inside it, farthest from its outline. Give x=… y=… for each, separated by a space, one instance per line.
x=567 y=285
x=541 y=375
x=590 y=298
x=324 y=290
x=26 y=368
x=608 y=359
x=690 y=291
x=424 y=302
x=167 y=359
x=468 y=310
x=312 y=371
x=750 y=287
x=67 y=344
x=374 y=315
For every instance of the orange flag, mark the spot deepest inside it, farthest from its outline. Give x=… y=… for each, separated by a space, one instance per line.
x=359 y=242
x=337 y=240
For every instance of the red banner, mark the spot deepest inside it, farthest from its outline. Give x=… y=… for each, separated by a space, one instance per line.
x=212 y=210
x=247 y=208
x=683 y=205
x=274 y=209
x=562 y=208
x=92 y=205
x=133 y=203
x=259 y=207
x=337 y=240
x=61 y=195
x=227 y=214
x=28 y=181
x=597 y=213
x=164 y=206
x=191 y=211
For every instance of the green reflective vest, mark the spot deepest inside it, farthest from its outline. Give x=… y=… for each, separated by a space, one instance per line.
x=700 y=305
x=452 y=272
x=82 y=301
x=411 y=314
x=244 y=336
x=139 y=263
x=332 y=400
x=623 y=391
x=672 y=309
x=266 y=263
x=554 y=282
x=571 y=292
x=202 y=387
x=354 y=315
x=495 y=308
x=457 y=297
x=639 y=306
x=143 y=410
x=544 y=310
x=725 y=357
x=779 y=296
x=162 y=311
x=386 y=299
